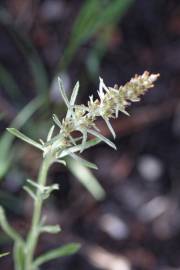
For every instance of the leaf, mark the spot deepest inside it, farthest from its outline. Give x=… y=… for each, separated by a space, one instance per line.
x=61 y=161
x=110 y=127
x=50 y=229
x=23 y=137
x=65 y=250
x=50 y=133
x=86 y=178
x=30 y=192
x=74 y=94
x=84 y=162
x=73 y=98
x=45 y=191
x=56 y=120
x=62 y=91
x=84 y=132
x=7 y=228
x=58 y=138
x=102 y=138
x=4 y=254
x=72 y=140
x=48 y=190
x=35 y=185
x=77 y=148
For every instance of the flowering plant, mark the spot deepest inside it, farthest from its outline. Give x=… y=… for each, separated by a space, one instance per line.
x=62 y=142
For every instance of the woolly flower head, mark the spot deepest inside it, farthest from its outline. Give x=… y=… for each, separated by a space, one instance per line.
x=82 y=118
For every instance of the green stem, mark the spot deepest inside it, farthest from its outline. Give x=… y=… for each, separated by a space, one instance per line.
x=32 y=238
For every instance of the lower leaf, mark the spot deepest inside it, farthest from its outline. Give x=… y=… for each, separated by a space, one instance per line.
x=65 y=250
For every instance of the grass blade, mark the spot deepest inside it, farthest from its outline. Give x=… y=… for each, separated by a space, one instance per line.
x=6 y=139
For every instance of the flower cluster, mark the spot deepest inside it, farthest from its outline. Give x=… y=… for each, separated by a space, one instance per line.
x=83 y=118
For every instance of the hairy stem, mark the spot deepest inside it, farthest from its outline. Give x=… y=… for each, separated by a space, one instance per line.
x=32 y=238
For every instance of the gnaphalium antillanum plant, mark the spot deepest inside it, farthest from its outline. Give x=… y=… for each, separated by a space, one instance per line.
x=60 y=143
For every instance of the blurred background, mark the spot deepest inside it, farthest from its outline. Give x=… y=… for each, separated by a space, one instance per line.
x=126 y=214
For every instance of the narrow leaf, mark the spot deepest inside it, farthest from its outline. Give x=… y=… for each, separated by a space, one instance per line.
x=73 y=98
x=72 y=140
x=34 y=184
x=74 y=94
x=30 y=192
x=23 y=137
x=65 y=250
x=50 y=229
x=102 y=86
x=86 y=178
x=77 y=148
x=7 y=228
x=56 y=120
x=83 y=140
x=84 y=162
x=60 y=161
x=102 y=138
x=62 y=91
x=4 y=254
x=50 y=133
x=110 y=127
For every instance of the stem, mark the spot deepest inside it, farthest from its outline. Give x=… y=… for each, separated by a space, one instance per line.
x=32 y=238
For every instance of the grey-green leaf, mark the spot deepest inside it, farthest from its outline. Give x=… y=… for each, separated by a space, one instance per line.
x=74 y=94
x=110 y=127
x=62 y=91
x=50 y=229
x=56 y=120
x=84 y=132
x=7 y=227
x=84 y=162
x=23 y=137
x=73 y=99
x=86 y=178
x=77 y=148
x=50 y=133
x=30 y=192
x=102 y=138
x=4 y=254
x=65 y=250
